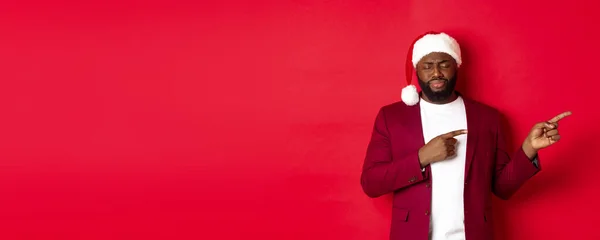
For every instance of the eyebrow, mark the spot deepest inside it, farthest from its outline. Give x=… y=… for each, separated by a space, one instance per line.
x=442 y=61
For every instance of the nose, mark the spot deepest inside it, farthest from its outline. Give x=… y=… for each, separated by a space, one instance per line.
x=437 y=73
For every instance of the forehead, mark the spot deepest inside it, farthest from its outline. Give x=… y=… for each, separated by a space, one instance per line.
x=437 y=57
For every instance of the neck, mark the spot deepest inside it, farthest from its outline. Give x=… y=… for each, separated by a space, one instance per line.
x=452 y=97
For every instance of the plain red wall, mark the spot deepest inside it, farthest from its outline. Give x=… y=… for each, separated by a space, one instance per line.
x=250 y=120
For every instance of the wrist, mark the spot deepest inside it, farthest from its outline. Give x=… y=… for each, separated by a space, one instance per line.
x=529 y=150
x=422 y=160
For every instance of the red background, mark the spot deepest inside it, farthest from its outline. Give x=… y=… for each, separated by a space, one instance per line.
x=249 y=120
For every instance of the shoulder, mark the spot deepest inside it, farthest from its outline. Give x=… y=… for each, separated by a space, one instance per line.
x=482 y=107
x=397 y=109
x=397 y=106
x=484 y=112
x=398 y=114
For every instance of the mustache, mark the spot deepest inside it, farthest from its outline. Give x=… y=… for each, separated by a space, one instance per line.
x=434 y=79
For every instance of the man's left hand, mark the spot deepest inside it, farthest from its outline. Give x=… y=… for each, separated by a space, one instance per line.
x=543 y=135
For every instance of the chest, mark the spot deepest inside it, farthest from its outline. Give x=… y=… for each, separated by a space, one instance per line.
x=436 y=121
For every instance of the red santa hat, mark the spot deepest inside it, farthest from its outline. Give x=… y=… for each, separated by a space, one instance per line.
x=425 y=44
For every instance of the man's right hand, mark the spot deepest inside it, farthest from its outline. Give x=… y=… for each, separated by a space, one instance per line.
x=439 y=148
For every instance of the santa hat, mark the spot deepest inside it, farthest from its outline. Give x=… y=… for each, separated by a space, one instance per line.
x=423 y=45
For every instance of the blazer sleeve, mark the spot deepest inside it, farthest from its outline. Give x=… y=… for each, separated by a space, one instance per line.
x=510 y=173
x=383 y=173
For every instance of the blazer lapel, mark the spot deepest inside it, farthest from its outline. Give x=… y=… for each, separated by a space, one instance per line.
x=415 y=125
x=414 y=129
x=473 y=133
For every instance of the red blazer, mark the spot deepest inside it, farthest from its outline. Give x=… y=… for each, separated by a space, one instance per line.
x=391 y=165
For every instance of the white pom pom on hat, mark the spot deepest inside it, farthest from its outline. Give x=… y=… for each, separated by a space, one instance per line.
x=410 y=96
x=425 y=44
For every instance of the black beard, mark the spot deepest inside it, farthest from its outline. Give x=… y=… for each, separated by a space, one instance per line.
x=438 y=96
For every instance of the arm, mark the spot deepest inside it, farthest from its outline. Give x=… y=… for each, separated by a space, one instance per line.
x=382 y=173
x=511 y=173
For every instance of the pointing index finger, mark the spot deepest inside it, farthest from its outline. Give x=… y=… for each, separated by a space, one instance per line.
x=455 y=133
x=559 y=117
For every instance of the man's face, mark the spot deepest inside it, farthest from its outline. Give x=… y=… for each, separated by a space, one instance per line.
x=437 y=76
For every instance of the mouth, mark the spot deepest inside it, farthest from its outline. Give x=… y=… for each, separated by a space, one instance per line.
x=438 y=83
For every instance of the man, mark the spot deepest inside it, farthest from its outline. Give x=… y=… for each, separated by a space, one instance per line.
x=442 y=154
